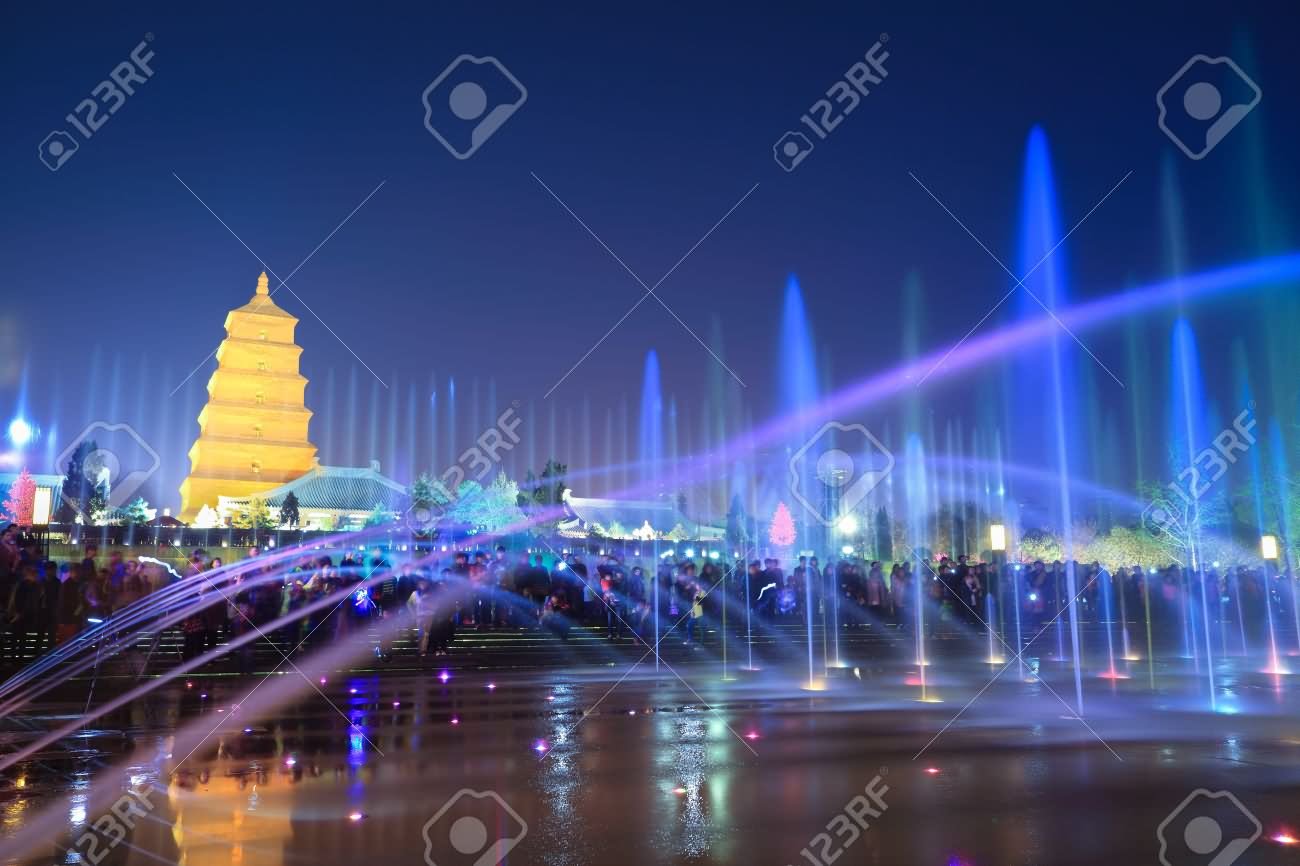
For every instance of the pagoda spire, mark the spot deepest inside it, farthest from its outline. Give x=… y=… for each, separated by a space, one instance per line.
x=263 y=285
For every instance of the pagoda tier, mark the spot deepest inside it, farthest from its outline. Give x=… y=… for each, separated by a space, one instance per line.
x=253 y=430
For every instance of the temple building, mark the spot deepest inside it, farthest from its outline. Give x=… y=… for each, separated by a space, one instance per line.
x=330 y=497
x=253 y=430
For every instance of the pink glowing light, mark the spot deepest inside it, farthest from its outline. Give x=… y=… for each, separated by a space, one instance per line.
x=491 y=687
x=1112 y=674
x=444 y=676
x=356 y=816
x=540 y=747
x=752 y=735
x=397 y=703
x=189 y=684
x=352 y=691
x=932 y=771
x=455 y=720
x=289 y=761
x=322 y=681
x=1285 y=839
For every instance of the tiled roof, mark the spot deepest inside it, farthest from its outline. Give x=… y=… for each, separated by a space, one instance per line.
x=632 y=515
x=340 y=488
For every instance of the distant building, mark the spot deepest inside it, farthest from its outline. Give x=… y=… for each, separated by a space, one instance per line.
x=632 y=520
x=253 y=430
x=329 y=497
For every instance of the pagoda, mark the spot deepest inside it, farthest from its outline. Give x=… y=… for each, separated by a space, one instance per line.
x=253 y=430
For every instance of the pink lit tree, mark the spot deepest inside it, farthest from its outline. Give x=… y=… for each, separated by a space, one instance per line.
x=22 y=499
x=781 y=532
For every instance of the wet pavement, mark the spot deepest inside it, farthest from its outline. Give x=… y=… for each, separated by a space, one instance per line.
x=617 y=765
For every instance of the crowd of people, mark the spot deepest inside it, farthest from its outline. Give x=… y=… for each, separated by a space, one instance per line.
x=45 y=603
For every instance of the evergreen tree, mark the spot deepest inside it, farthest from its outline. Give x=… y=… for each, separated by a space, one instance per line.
x=97 y=506
x=137 y=512
x=884 y=536
x=289 y=515
x=737 y=521
x=77 y=489
x=781 y=532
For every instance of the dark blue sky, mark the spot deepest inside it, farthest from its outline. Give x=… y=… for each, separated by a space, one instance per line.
x=649 y=123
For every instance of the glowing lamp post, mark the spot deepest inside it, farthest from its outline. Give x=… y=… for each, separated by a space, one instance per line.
x=998 y=538
x=1268 y=547
x=42 y=501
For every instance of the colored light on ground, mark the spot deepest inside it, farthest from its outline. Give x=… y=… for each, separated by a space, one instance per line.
x=352 y=691
x=912 y=681
x=1112 y=674
x=322 y=681
x=455 y=721
x=444 y=676
x=752 y=735
x=1285 y=839
x=356 y=816
x=203 y=696
x=814 y=686
x=679 y=791
x=994 y=660
x=631 y=712
x=1033 y=596
x=491 y=686
x=20 y=432
x=550 y=697
x=248 y=730
x=932 y=771
x=540 y=746
x=397 y=703
x=189 y=685
x=289 y=761
x=1132 y=658
x=931 y=700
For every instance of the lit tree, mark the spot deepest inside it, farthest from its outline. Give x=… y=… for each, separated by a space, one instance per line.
x=429 y=492
x=207 y=518
x=781 y=532
x=488 y=508
x=22 y=499
x=255 y=515
x=377 y=516
x=97 y=507
x=137 y=512
x=289 y=515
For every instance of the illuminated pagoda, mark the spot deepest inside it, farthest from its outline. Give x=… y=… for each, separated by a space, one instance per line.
x=253 y=430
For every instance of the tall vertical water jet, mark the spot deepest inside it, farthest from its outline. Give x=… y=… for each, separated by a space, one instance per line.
x=1042 y=258
x=650 y=435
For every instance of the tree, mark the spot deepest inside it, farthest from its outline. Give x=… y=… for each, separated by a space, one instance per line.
x=136 y=512
x=1041 y=545
x=781 y=532
x=289 y=515
x=678 y=533
x=254 y=515
x=378 y=516
x=207 y=518
x=77 y=488
x=490 y=508
x=429 y=492
x=737 y=523
x=97 y=506
x=884 y=536
x=547 y=490
x=22 y=499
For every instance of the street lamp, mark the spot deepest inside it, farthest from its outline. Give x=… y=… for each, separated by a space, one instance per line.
x=998 y=538
x=1268 y=547
x=20 y=432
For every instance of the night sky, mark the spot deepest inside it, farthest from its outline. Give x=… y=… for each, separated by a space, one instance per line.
x=650 y=124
